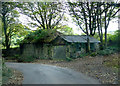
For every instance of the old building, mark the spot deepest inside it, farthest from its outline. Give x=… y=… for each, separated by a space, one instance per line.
x=61 y=46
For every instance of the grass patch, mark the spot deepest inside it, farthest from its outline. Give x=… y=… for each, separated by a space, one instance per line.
x=0 y=71
x=6 y=73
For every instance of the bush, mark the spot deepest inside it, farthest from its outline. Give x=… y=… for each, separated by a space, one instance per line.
x=26 y=59
x=68 y=59
x=83 y=55
x=93 y=54
x=107 y=51
x=6 y=73
x=42 y=35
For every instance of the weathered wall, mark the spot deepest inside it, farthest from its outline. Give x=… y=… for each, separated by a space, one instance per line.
x=28 y=50
x=37 y=50
x=76 y=49
x=34 y=50
x=47 y=51
x=59 y=51
x=97 y=46
x=11 y=51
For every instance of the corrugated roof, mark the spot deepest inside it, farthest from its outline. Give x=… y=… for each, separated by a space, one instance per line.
x=79 y=38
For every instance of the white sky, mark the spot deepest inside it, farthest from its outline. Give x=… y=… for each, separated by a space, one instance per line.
x=113 y=26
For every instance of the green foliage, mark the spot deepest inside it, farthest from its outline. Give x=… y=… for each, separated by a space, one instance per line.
x=68 y=59
x=93 y=54
x=108 y=51
x=46 y=14
x=26 y=59
x=83 y=55
x=66 y=30
x=9 y=18
x=6 y=73
x=40 y=36
x=114 y=39
x=13 y=30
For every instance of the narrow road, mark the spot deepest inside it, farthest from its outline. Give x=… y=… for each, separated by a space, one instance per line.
x=47 y=74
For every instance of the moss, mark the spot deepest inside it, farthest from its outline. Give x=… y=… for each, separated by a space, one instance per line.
x=42 y=35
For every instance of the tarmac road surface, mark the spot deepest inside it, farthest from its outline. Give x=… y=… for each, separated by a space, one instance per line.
x=48 y=74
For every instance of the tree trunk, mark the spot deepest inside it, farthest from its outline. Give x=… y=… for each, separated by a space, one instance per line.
x=88 y=44
x=105 y=29
x=7 y=42
x=7 y=45
x=101 y=32
x=86 y=26
x=99 y=27
x=105 y=36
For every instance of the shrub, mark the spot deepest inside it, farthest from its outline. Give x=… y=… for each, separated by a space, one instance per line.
x=6 y=73
x=83 y=55
x=68 y=59
x=107 y=51
x=93 y=54
x=26 y=59
x=42 y=35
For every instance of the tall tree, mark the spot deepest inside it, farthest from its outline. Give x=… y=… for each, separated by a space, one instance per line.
x=84 y=14
x=66 y=30
x=8 y=14
x=11 y=24
x=109 y=14
x=105 y=13
x=46 y=15
x=99 y=23
x=90 y=16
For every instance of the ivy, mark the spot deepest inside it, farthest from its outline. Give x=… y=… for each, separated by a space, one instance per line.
x=42 y=35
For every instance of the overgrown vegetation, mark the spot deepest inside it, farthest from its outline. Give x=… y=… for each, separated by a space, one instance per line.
x=114 y=40
x=6 y=73
x=113 y=44
x=26 y=59
x=68 y=59
x=42 y=35
x=108 y=51
x=0 y=71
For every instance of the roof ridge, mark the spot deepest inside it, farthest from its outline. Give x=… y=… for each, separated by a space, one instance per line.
x=83 y=37
x=77 y=38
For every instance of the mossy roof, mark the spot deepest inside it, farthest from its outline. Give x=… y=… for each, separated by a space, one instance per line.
x=43 y=36
x=48 y=35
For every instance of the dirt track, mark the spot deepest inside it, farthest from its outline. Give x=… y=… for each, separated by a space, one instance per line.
x=98 y=67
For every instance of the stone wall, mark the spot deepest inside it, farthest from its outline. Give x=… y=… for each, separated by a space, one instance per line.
x=47 y=51
x=11 y=52
x=35 y=50
x=97 y=46
x=59 y=52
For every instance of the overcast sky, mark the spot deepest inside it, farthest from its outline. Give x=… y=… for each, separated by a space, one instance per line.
x=113 y=26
